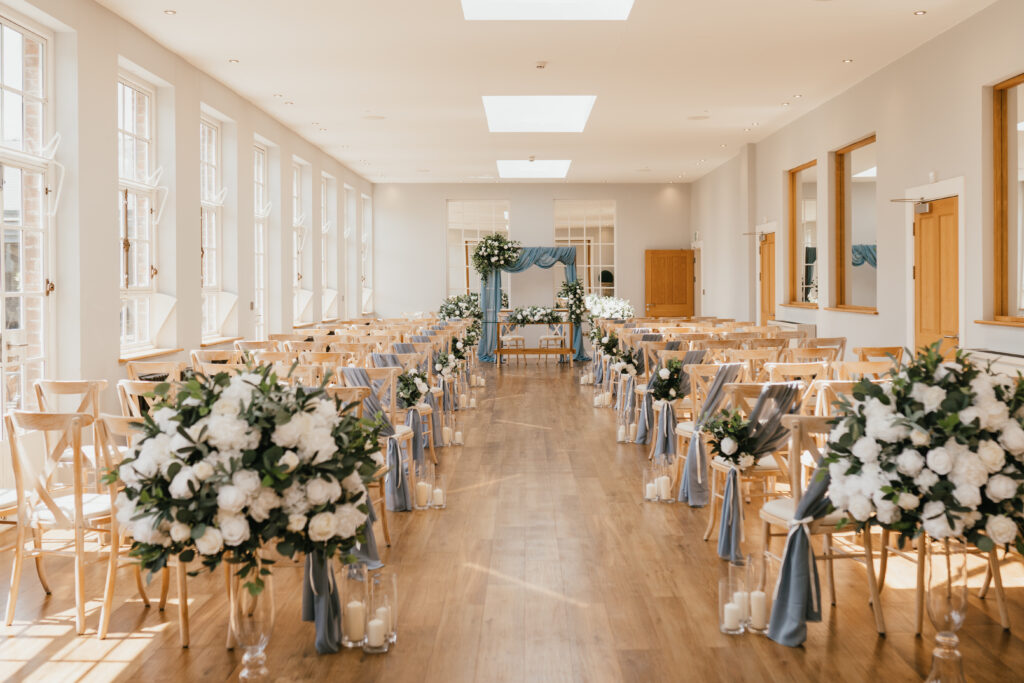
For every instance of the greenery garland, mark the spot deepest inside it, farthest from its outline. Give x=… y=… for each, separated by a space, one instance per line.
x=572 y=292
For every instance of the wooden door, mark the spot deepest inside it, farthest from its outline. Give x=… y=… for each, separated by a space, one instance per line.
x=767 y=275
x=936 y=275
x=669 y=282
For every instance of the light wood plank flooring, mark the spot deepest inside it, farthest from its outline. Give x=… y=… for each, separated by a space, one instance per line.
x=546 y=566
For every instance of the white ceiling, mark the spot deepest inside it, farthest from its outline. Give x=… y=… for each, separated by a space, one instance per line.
x=422 y=66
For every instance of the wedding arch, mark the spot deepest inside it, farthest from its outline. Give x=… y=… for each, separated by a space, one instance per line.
x=490 y=295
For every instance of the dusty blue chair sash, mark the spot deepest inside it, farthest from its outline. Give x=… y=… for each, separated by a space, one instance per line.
x=367 y=551
x=693 y=489
x=435 y=420
x=404 y=347
x=396 y=490
x=320 y=602
x=665 y=434
x=598 y=369
x=414 y=421
x=796 y=593
x=625 y=405
x=419 y=338
x=766 y=434
x=372 y=407
x=385 y=360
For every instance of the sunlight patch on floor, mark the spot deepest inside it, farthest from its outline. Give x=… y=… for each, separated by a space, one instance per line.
x=525 y=584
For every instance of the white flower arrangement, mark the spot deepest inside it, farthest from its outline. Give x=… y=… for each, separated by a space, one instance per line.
x=493 y=252
x=412 y=387
x=608 y=307
x=729 y=433
x=235 y=462
x=940 y=450
x=534 y=314
x=445 y=364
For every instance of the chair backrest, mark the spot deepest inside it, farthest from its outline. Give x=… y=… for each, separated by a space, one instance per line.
x=753 y=361
x=717 y=348
x=855 y=370
x=767 y=343
x=349 y=395
x=271 y=357
x=303 y=346
x=788 y=334
x=811 y=355
x=305 y=375
x=202 y=357
x=702 y=376
x=828 y=392
x=803 y=372
x=49 y=393
x=887 y=353
x=761 y=330
x=326 y=358
x=358 y=350
x=806 y=433
x=155 y=371
x=740 y=335
x=385 y=387
x=742 y=396
x=287 y=337
x=267 y=345
x=131 y=395
x=213 y=369
x=837 y=343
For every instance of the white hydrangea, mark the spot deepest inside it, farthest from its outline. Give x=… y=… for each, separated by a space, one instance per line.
x=348 y=519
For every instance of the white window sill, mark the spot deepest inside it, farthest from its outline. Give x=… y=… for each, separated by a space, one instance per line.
x=142 y=354
x=217 y=341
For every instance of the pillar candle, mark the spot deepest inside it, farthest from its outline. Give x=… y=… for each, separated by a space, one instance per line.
x=463 y=401
x=632 y=432
x=446 y=435
x=472 y=403
x=438 y=498
x=731 y=616
x=458 y=438
x=422 y=494
x=665 y=487
x=597 y=401
x=355 y=620
x=384 y=614
x=621 y=436
x=758 y=610
x=652 y=491
x=376 y=633
x=742 y=600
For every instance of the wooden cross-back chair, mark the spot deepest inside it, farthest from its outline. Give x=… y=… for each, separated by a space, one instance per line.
x=717 y=348
x=214 y=369
x=837 y=343
x=267 y=345
x=767 y=343
x=780 y=333
x=359 y=351
x=78 y=396
x=702 y=376
x=272 y=357
x=741 y=336
x=202 y=357
x=156 y=371
x=807 y=435
x=856 y=370
x=802 y=372
x=302 y=346
x=823 y=354
x=325 y=359
x=38 y=444
x=761 y=330
x=893 y=354
x=288 y=337
x=753 y=361
x=132 y=395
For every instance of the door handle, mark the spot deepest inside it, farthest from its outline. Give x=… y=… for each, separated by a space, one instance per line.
x=951 y=336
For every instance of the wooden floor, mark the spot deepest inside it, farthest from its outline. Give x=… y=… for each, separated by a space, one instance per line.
x=546 y=566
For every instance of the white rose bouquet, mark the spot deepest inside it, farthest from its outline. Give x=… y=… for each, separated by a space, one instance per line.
x=458 y=349
x=608 y=307
x=445 y=364
x=729 y=433
x=234 y=462
x=472 y=335
x=664 y=384
x=572 y=292
x=940 y=450
x=412 y=386
x=535 y=314
x=461 y=307
x=608 y=344
x=626 y=363
x=493 y=252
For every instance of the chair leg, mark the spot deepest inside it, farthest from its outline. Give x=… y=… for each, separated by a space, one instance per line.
x=37 y=543
x=997 y=577
x=766 y=546
x=884 y=563
x=165 y=585
x=429 y=432
x=983 y=591
x=182 y=575
x=19 y=555
x=876 y=599
x=108 y=590
x=830 y=568
x=80 y=580
x=712 y=505
x=384 y=511
x=919 y=591
x=232 y=641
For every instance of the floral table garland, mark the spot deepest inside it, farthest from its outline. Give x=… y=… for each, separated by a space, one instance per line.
x=534 y=314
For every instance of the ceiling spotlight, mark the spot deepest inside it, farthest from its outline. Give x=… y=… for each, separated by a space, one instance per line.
x=785 y=104
x=847 y=61
x=288 y=102
x=755 y=124
x=920 y=12
x=723 y=145
x=797 y=97
x=746 y=130
x=233 y=61
x=542 y=65
x=170 y=12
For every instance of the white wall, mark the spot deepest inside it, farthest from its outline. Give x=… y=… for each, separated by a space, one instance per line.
x=409 y=230
x=90 y=42
x=931 y=111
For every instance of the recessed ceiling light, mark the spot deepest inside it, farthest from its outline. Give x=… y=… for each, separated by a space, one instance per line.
x=746 y=130
x=537 y=168
x=847 y=61
x=797 y=97
x=233 y=61
x=546 y=10
x=785 y=104
x=538 y=113
x=170 y=12
x=278 y=95
x=723 y=146
x=920 y=12
x=288 y=102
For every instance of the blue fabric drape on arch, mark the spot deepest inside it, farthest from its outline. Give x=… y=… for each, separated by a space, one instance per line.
x=490 y=295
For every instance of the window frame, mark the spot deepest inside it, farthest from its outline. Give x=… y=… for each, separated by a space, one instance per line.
x=840 y=227
x=468 y=245
x=1001 y=215
x=366 y=292
x=585 y=269
x=791 y=201
x=211 y=206
x=261 y=228
x=299 y=234
x=134 y=295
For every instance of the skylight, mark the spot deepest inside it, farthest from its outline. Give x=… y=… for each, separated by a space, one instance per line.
x=538 y=113
x=539 y=168
x=867 y=173
x=546 y=10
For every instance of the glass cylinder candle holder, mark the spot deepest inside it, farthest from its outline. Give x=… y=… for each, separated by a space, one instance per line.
x=760 y=594
x=651 y=473
x=354 y=598
x=666 y=491
x=378 y=617
x=730 y=615
x=424 y=486
x=739 y=577
x=439 y=494
x=385 y=583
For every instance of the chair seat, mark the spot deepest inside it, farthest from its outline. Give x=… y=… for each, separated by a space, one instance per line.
x=437 y=391
x=684 y=428
x=94 y=506
x=552 y=337
x=765 y=463
x=780 y=511
x=640 y=389
x=424 y=409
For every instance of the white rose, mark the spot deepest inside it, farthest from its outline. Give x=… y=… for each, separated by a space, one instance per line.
x=164 y=418
x=231 y=498
x=128 y=474
x=203 y=470
x=248 y=481
x=378 y=458
x=289 y=461
x=672 y=393
x=437 y=366
x=967 y=495
x=234 y=529
x=604 y=340
x=745 y=461
x=322 y=526
x=266 y=501
x=229 y=433
x=920 y=437
x=664 y=373
x=180 y=532
x=969 y=415
x=223 y=406
x=940 y=461
x=296 y=523
x=930 y=396
x=1012 y=437
x=908 y=501
x=146 y=530
x=348 y=519
x=211 y=542
x=968 y=469
x=288 y=434
x=145 y=465
x=353 y=483
x=125 y=508
x=909 y=462
x=1000 y=487
x=183 y=483
x=728 y=445
x=926 y=479
x=886 y=511
x=859 y=506
x=1001 y=529
x=866 y=449
x=318 y=491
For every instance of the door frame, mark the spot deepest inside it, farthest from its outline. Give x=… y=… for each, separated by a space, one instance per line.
x=953 y=187
x=768 y=227
x=698 y=277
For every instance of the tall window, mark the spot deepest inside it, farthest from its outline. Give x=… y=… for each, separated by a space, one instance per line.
x=367 y=255
x=211 y=202
x=468 y=221
x=328 y=247
x=137 y=202
x=1008 y=136
x=26 y=167
x=299 y=298
x=856 y=226
x=261 y=212
x=588 y=225
x=803 y=235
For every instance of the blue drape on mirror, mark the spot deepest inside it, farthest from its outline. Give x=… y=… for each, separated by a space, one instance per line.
x=490 y=296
